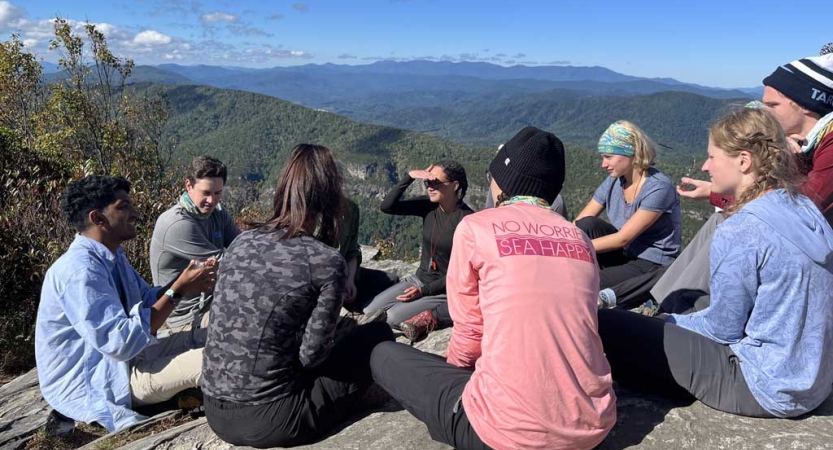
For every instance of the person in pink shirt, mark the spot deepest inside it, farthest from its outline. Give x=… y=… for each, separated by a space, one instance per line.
x=525 y=365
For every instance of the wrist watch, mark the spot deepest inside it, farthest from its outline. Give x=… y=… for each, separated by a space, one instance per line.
x=173 y=296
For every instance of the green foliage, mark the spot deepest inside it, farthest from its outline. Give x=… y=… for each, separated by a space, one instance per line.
x=30 y=239
x=676 y=119
x=21 y=96
x=86 y=123
x=254 y=133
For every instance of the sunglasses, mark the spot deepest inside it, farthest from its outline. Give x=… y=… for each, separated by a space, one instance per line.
x=434 y=184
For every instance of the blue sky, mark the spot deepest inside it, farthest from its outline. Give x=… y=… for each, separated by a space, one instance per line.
x=727 y=43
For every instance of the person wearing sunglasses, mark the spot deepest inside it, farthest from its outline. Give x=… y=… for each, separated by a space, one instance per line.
x=441 y=210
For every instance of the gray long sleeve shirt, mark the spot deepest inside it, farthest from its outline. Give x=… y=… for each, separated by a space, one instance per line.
x=179 y=237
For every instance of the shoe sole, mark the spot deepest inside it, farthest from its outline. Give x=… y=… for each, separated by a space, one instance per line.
x=376 y=316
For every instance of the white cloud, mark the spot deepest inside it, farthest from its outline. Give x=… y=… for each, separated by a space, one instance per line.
x=9 y=14
x=106 y=29
x=218 y=16
x=150 y=37
x=154 y=46
x=42 y=29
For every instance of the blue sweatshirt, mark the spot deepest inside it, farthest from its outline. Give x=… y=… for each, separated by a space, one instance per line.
x=771 y=301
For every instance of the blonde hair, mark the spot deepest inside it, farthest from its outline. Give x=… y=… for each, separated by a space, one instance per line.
x=758 y=132
x=645 y=150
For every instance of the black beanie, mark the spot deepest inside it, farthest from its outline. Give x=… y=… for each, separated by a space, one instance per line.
x=531 y=163
x=808 y=82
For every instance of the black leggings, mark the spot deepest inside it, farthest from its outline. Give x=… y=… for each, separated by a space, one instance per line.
x=323 y=398
x=630 y=279
x=650 y=355
x=430 y=389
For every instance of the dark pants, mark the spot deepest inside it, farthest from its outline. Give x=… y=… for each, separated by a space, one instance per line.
x=430 y=389
x=369 y=284
x=630 y=279
x=685 y=302
x=443 y=316
x=323 y=398
x=690 y=271
x=647 y=354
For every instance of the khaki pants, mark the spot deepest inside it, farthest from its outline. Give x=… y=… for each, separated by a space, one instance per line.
x=168 y=367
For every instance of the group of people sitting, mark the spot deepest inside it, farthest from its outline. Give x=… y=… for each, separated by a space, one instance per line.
x=538 y=304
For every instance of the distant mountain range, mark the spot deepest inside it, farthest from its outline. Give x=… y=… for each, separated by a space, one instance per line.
x=316 y=83
x=477 y=103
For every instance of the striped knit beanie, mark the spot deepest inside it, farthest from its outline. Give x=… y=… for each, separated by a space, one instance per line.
x=808 y=82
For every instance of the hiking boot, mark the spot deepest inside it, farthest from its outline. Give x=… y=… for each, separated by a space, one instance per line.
x=352 y=320
x=59 y=424
x=649 y=308
x=417 y=328
x=380 y=315
x=189 y=399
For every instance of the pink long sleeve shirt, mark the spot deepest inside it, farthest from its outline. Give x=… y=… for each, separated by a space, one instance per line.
x=522 y=290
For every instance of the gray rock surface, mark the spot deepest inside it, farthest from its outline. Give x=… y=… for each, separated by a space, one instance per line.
x=22 y=411
x=369 y=253
x=644 y=423
x=401 y=269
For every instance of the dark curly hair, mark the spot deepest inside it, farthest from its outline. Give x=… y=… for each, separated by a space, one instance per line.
x=456 y=172
x=93 y=192
x=206 y=167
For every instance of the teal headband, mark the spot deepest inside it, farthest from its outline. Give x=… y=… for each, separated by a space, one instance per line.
x=616 y=140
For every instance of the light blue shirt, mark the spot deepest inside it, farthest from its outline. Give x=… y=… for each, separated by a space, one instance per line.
x=84 y=340
x=662 y=241
x=771 y=302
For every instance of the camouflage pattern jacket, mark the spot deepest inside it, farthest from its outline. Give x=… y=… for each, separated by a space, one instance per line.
x=274 y=315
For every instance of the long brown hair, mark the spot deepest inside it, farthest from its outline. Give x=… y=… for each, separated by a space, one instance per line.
x=758 y=132
x=309 y=188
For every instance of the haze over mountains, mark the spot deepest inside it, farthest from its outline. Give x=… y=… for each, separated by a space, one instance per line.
x=479 y=103
x=470 y=76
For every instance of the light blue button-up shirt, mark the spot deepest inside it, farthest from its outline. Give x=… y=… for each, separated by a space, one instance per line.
x=84 y=339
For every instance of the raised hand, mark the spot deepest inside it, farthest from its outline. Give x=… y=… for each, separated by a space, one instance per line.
x=702 y=189
x=199 y=276
x=423 y=174
x=795 y=142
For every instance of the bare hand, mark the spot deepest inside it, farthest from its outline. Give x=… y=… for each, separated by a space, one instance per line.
x=702 y=189
x=195 y=279
x=410 y=294
x=795 y=142
x=423 y=174
x=350 y=292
